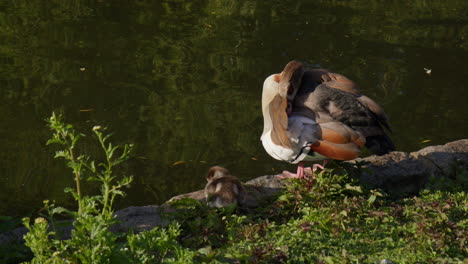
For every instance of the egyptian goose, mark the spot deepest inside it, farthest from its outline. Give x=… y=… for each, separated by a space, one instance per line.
x=312 y=115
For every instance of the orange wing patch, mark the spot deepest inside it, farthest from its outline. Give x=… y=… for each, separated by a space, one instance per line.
x=339 y=133
x=333 y=136
x=336 y=151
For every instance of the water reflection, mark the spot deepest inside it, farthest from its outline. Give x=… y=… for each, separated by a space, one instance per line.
x=182 y=80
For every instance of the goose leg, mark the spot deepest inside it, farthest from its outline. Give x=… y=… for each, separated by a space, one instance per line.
x=303 y=172
x=298 y=175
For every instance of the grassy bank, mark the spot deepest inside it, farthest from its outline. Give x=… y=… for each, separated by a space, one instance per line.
x=328 y=218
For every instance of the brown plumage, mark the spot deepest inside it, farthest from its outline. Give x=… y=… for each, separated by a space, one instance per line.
x=317 y=114
x=222 y=188
x=337 y=103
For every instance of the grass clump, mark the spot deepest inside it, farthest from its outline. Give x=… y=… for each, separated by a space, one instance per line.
x=331 y=218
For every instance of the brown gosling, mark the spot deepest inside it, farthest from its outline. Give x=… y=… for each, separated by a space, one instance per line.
x=222 y=189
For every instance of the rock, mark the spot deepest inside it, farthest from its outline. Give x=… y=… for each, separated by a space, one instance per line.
x=140 y=218
x=197 y=195
x=261 y=189
x=400 y=172
x=444 y=157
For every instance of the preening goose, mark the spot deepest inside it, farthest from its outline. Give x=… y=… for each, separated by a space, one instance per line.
x=319 y=115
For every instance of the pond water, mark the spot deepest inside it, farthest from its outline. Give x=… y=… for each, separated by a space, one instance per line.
x=182 y=80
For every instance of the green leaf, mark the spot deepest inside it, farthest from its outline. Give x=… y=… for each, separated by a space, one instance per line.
x=56 y=141
x=60 y=210
x=329 y=260
x=61 y=154
x=205 y=251
x=118 y=192
x=353 y=188
x=92 y=166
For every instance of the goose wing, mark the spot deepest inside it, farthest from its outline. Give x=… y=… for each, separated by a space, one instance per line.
x=332 y=97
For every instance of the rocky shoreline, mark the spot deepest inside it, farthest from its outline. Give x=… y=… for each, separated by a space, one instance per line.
x=396 y=172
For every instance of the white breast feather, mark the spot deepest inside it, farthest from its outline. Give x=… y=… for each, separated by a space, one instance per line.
x=302 y=132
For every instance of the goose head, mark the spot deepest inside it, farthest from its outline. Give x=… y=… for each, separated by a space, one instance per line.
x=278 y=94
x=285 y=84
x=290 y=80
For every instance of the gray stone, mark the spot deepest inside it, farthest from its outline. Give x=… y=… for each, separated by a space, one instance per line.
x=400 y=172
x=197 y=195
x=140 y=218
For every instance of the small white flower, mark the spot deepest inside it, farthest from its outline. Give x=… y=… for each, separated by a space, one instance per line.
x=95 y=128
x=40 y=220
x=428 y=71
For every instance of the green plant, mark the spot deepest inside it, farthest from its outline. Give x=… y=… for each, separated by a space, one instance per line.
x=157 y=246
x=330 y=218
x=201 y=225
x=91 y=241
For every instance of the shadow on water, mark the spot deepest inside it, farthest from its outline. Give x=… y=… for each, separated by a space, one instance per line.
x=182 y=81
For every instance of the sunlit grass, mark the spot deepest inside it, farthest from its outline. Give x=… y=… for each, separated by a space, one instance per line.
x=332 y=219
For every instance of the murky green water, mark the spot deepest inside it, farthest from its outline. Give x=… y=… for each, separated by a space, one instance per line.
x=182 y=80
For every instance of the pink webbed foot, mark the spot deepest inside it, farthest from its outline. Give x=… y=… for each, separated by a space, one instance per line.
x=316 y=166
x=288 y=175
x=303 y=172
x=298 y=175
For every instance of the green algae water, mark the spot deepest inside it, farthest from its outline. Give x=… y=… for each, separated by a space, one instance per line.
x=182 y=80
